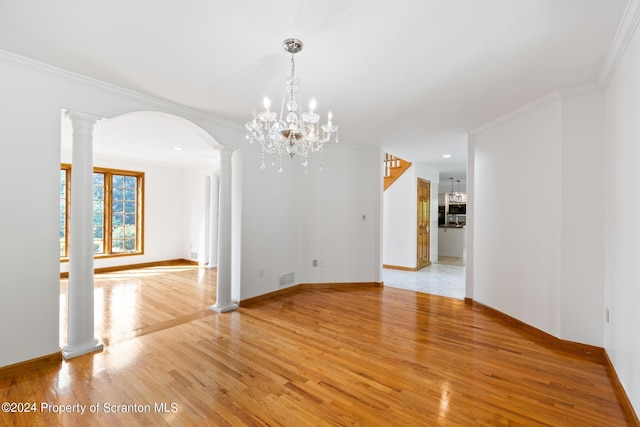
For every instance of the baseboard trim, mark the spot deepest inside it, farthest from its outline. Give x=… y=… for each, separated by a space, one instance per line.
x=398 y=267
x=627 y=407
x=168 y=263
x=309 y=286
x=591 y=351
x=342 y=285
x=28 y=365
x=269 y=295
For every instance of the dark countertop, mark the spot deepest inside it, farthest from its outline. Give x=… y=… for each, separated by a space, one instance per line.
x=451 y=226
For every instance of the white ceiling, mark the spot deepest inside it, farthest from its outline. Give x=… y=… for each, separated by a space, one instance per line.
x=413 y=76
x=152 y=137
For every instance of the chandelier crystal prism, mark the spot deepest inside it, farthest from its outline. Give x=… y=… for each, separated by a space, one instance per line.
x=294 y=131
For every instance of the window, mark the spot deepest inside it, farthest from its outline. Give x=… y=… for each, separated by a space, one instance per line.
x=64 y=211
x=117 y=211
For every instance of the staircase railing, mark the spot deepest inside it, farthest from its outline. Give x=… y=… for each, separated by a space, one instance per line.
x=394 y=167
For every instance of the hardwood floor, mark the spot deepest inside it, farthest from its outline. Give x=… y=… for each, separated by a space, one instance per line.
x=325 y=357
x=136 y=302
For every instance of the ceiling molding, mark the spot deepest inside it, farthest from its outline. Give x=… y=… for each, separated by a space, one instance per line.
x=579 y=90
x=111 y=89
x=526 y=108
x=626 y=29
x=538 y=103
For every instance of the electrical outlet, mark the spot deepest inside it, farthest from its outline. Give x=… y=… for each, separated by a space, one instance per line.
x=315 y=262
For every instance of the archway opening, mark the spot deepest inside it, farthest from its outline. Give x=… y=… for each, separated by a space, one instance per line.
x=178 y=216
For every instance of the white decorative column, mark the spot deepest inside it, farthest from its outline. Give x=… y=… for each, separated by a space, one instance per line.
x=223 y=288
x=212 y=231
x=80 y=336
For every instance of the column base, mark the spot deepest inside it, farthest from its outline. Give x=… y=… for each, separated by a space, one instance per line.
x=223 y=308
x=71 y=351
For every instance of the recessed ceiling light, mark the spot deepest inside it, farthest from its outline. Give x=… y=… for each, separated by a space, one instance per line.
x=446 y=156
x=177 y=148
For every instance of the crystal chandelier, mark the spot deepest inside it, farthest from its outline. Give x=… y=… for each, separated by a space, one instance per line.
x=295 y=132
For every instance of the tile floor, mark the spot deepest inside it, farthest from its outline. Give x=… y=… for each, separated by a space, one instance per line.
x=445 y=278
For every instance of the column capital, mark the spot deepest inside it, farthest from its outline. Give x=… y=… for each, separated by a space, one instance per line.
x=225 y=150
x=79 y=115
x=82 y=123
x=221 y=147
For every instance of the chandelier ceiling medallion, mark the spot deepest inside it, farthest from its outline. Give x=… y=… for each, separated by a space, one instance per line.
x=295 y=132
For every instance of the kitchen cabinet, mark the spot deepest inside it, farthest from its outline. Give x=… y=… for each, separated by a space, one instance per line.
x=452 y=241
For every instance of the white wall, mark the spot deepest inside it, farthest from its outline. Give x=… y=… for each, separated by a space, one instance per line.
x=30 y=135
x=543 y=262
x=621 y=273
x=270 y=234
x=399 y=222
x=292 y=218
x=538 y=216
x=582 y=218
x=332 y=205
x=516 y=217
x=400 y=217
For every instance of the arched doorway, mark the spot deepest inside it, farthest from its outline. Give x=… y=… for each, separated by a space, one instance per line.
x=177 y=160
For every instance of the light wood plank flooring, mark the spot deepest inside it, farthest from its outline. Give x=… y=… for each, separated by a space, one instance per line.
x=366 y=357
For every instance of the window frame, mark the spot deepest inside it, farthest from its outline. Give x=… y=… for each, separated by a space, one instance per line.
x=108 y=214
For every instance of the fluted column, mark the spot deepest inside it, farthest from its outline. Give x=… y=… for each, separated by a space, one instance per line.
x=223 y=288
x=80 y=335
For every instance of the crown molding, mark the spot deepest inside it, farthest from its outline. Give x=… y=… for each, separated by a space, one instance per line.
x=626 y=29
x=111 y=89
x=538 y=103
x=579 y=90
x=524 y=109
